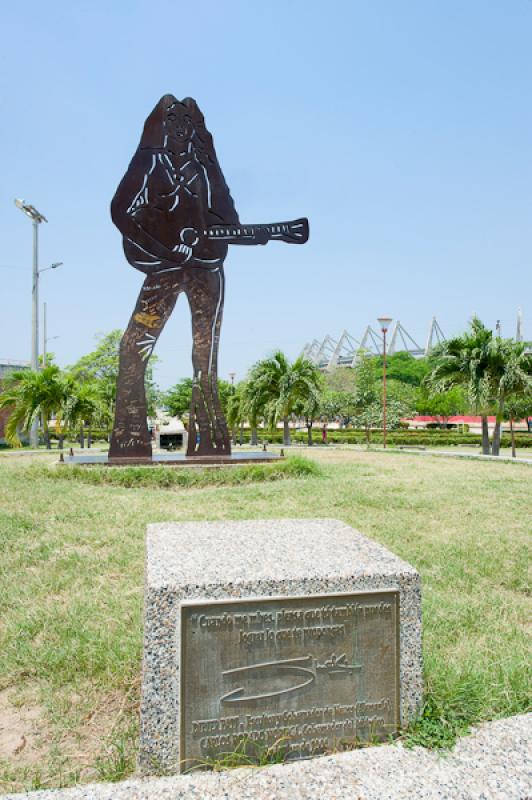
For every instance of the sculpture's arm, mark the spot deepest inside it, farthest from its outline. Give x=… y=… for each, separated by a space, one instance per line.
x=132 y=195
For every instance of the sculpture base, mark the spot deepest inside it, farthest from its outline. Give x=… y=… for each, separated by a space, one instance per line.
x=175 y=459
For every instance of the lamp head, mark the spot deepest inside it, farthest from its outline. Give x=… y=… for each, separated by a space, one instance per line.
x=385 y=322
x=30 y=211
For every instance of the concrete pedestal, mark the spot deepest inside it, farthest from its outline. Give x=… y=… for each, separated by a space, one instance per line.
x=191 y=564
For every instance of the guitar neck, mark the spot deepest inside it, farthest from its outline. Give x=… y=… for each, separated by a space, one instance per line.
x=293 y=232
x=230 y=232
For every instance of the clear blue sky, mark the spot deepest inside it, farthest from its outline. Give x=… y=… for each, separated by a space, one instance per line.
x=401 y=128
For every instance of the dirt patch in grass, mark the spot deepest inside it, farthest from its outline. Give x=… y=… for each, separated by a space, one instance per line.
x=100 y=742
x=74 y=740
x=21 y=731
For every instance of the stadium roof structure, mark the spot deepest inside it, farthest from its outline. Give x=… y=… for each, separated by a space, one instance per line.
x=345 y=351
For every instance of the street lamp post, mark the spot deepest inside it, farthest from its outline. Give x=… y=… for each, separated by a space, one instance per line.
x=385 y=323
x=36 y=219
x=45 y=337
x=44 y=334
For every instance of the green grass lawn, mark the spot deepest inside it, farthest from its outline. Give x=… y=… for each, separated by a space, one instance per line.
x=71 y=586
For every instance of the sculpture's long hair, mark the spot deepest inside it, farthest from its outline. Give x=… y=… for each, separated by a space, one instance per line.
x=154 y=137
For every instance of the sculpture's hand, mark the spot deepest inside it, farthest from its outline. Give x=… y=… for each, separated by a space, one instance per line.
x=182 y=253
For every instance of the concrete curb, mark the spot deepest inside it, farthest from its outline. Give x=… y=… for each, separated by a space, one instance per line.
x=494 y=763
x=450 y=454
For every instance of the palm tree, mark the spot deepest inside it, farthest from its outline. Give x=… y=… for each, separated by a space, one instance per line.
x=464 y=360
x=518 y=406
x=32 y=395
x=278 y=389
x=510 y=373
x=82 y=407
x=310 y=408
x=489 y=368
x=252 y=410
x=235 y=410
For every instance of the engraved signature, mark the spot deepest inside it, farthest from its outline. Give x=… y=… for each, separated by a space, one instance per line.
x=337 y=664
x=306 y=667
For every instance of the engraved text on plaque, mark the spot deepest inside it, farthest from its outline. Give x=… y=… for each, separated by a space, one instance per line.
x=307 y=675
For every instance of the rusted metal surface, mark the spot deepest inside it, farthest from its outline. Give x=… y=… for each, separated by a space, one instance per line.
x=177 y=218
x=309 y=674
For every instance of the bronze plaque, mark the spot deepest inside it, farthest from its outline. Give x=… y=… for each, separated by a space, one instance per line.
x=298 y=675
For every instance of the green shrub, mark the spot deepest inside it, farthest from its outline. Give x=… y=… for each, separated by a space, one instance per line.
x=165 y=477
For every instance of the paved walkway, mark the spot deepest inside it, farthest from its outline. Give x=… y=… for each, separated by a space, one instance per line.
x=454 y=454
x=494 y=763
x=53 y=451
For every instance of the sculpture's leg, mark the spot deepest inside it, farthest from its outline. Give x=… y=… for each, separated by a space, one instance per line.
x=208 y=434
x=157 y=298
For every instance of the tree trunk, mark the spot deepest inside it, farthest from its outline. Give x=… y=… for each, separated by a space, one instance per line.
x=89 y=437
x=46 y=432
x=82 y=437
x=61 y=440
x=241 y=434
x=512 y=434
x=496 y=440
x=309 y=434
x=286 y=433
x=485 y=436
x=254 y=437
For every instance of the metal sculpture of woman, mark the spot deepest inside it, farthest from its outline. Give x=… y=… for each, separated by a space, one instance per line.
x=177 y=218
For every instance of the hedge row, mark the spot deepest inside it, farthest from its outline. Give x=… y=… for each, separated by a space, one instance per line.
x=73 y=435
x=426 y=438
x=412 y=438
